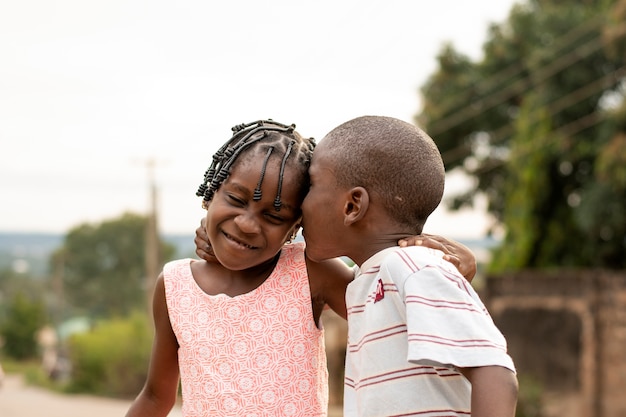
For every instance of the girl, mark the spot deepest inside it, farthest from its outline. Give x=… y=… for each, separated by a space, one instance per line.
x=241 y=327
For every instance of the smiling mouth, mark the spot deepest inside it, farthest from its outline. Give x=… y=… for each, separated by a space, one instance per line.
x=238 y=242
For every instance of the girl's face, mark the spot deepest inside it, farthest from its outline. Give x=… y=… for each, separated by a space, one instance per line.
x=244 y=233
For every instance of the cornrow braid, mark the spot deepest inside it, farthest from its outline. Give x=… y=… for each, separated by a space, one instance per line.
x=272 y=138
x=277 y=202
x=257 y=191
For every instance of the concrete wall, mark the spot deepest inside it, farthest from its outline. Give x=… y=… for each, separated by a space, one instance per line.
x=568 y=330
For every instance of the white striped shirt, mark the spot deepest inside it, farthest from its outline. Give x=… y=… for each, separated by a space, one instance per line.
x=412 y=320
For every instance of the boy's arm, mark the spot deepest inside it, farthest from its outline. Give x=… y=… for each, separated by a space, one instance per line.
x=203 y=248
x=328 y=279
x=454 y=252
x=494 y=391
x=449 y=328
x=158 y=395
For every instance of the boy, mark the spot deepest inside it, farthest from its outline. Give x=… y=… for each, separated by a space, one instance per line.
x=420 y=341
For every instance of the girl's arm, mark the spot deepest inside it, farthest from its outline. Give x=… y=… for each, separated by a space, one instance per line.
x=158 y=395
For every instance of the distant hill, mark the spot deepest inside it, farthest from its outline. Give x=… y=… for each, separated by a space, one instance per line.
x=185 y=248
x=29 y=252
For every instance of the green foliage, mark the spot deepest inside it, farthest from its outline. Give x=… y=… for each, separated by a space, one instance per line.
x=529 y=402
x=540 y=122
x=31 y=369
x=112 y=359
x=104 y=266
x=13 y=283
x=24 y=317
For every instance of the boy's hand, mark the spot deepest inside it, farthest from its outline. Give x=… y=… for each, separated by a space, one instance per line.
x=203 y=247
x=454 y=252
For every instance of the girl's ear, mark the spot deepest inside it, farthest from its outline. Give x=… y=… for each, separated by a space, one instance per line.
x=294 y=232
x=356 y=205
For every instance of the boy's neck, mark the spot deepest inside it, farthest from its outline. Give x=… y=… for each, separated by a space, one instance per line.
x=370 y=247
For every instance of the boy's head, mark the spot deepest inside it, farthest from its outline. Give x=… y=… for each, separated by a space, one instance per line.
x=373 y=167
x=253 y=192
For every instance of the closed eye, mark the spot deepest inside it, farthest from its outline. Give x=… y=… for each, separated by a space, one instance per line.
x=275 y=218
x=236 y=201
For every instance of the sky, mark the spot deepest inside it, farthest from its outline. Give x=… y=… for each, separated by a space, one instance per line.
x=94 y=93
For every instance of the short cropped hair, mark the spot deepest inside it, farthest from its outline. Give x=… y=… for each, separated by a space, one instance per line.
x=395 y=161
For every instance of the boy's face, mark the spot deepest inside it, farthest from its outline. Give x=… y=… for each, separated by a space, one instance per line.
x=244 y=233
x=322 y=218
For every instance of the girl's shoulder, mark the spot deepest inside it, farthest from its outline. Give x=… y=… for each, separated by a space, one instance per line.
x=294 y=248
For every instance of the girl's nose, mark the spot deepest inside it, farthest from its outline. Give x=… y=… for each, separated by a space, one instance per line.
x=247 y=223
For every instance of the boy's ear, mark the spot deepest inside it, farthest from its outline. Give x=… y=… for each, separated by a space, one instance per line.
x=356 y=205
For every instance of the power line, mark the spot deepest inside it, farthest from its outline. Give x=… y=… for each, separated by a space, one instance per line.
x=534 y=78
x=569 y=129
x=498 y=78
x=553 y=108
x=562 y=103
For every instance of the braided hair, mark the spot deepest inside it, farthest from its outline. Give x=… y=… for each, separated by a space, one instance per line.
x=265 y=137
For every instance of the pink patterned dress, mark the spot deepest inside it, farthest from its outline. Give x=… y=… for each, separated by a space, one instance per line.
x=256 y=354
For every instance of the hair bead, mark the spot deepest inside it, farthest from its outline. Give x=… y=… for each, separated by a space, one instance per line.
x=245 y=136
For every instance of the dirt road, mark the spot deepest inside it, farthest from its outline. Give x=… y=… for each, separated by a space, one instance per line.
x=20 y=400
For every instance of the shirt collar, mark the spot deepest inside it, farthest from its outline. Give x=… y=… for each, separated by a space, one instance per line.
x=374 y=260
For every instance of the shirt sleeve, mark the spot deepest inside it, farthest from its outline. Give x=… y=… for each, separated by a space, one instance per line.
x=448 y=324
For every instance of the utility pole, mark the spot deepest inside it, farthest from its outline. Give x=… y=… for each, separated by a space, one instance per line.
x=152 y=248
x=58 y=289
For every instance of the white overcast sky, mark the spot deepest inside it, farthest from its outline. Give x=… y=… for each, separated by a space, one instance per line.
x=90 y=90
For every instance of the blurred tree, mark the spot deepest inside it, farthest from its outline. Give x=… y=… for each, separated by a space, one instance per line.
x=24 y=318
x=540 y=123
x=13 y=283
x=103 y=269
x=112 y=359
